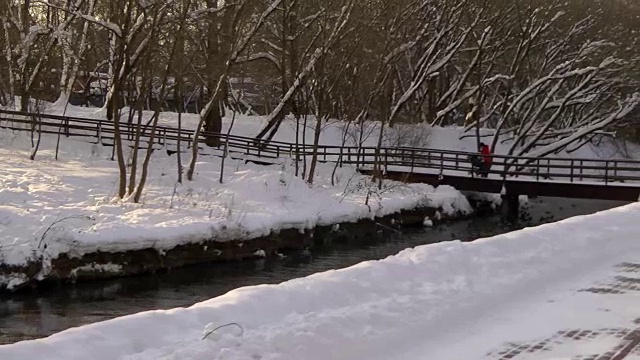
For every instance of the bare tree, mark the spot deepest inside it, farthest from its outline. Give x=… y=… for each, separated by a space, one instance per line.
x=324 y=87
x=73 y=44
x=559 y=88
x=240 y=43
x=28 y=43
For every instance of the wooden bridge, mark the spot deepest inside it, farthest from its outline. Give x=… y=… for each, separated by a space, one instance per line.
x=615 y=179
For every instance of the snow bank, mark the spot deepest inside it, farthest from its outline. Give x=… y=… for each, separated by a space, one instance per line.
x=373 y=310
x=49 y=207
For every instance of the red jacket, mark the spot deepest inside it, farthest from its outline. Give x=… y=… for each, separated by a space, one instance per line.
x=484 y=150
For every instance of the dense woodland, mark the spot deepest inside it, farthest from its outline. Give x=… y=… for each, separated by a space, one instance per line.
x=547 y=74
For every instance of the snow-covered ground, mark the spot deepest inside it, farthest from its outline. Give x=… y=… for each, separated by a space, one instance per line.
x=554 y=290
x=333 y=132
x=49 y=207
x=418 y=136
x=444 y=301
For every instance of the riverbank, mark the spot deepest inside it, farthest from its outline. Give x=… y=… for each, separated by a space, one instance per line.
x=104 y=265
x=477 y=300
x=59 y=219
x=36 y=314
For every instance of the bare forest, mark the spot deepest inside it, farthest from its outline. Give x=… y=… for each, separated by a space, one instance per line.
x=546 y=74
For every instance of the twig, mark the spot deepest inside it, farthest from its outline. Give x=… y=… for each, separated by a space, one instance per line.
x=223 y=326
x=58 y=221
x=388 y=228
x=175 y=186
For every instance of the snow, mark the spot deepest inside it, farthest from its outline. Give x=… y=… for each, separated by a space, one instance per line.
x=50 y=207
x=445 y=301
x=97 y=268
x=452 y=138
x=449 y=300
x=260 y=253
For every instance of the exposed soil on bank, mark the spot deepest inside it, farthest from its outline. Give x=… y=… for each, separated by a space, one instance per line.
x=102 y=265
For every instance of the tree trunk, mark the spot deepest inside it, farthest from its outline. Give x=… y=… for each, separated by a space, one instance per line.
x=213 y=124
x=117 y=139
x=316 y=140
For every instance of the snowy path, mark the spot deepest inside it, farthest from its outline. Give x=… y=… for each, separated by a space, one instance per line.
x=594 y=315
x=538 y=288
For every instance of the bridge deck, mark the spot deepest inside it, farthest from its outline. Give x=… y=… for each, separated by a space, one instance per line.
x=621 y=192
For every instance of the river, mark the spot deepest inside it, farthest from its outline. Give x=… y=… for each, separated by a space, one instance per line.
x=34 y=315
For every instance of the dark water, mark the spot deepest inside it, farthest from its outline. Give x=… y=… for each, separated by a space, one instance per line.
x=28 y=316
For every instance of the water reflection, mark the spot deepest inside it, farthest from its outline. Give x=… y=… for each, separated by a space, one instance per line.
x=29 y=316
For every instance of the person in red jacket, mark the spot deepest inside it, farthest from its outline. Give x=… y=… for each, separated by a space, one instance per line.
x=486 y=158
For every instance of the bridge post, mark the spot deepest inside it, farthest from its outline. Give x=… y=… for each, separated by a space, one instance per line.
x=510 y=206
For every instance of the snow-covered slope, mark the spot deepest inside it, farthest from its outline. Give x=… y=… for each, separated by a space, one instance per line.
x=432 y=302
x=49 y=206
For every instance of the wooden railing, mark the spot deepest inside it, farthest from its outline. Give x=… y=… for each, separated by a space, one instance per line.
x=403 y=159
